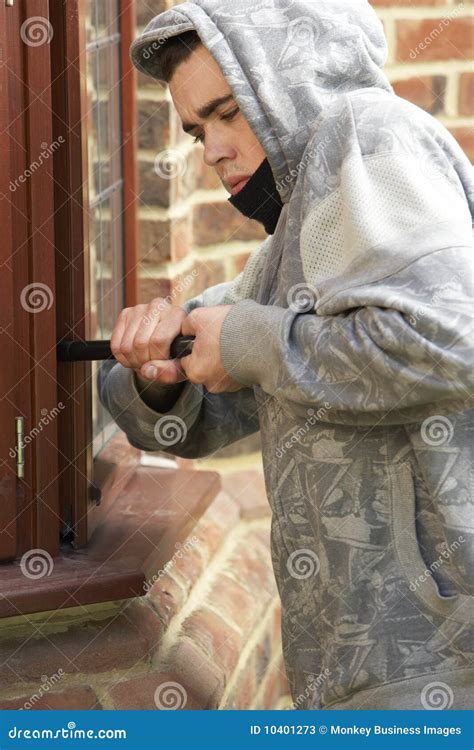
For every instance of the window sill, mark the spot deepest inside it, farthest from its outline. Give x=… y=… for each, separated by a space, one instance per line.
x=154 y=512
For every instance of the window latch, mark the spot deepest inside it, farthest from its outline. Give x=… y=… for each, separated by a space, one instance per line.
x=85 y=351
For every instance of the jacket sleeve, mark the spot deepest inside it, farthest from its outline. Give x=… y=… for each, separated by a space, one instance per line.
x=389 y=337
x=199 y=423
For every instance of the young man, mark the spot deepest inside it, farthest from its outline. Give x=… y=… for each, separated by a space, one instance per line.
x=347 y=340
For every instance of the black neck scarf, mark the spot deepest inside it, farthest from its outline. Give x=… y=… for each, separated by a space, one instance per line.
x=259 y=198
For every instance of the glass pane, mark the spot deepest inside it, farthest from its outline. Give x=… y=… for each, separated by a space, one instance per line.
x=98 y=85
x=106 y=250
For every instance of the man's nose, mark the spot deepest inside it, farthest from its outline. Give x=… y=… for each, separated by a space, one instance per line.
x=217 y=147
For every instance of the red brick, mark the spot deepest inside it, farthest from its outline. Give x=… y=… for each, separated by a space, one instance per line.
x=154 y=190
x=427 y=92
x=71 y=699
x=189 y=566
x=217 y=640
x=454 y=40
x=206 y=176
x=96 y=647
x=202 y=676
x=181 y=238
x=240 y=262
x=145 y=12
x=221 y=222
x=153 y=124
x=466 y=94
x=138 y=694
x=241 y=697
x=168 y=597
x=248 y=490
x=155 y=238
x=275 y=685
x=149 y=288
x=250 y=564
x=236 y=604
x=224 y=511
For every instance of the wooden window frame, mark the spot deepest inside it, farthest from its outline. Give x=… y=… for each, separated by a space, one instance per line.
x=48 y=245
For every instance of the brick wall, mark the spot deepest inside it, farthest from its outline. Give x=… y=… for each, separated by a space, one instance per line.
x=205 y=636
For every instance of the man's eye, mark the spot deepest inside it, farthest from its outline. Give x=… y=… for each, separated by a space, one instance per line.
x=227 y=116
x=230 y=115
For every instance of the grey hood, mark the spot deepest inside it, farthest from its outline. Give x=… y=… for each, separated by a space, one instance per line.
x=308 y=54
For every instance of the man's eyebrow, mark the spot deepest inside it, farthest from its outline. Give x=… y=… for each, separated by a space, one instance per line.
x=206 y=110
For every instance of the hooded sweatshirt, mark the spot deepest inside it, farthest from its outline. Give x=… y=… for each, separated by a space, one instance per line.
x=350 y=330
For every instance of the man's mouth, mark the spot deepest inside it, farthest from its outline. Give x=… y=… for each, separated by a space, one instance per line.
x=235 y=187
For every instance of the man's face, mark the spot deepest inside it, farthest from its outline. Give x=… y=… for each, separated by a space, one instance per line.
x=230 y=145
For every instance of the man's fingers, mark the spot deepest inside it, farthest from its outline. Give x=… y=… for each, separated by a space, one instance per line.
x=165 y=371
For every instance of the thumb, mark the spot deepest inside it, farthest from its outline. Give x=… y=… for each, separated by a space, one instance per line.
x=166 y=371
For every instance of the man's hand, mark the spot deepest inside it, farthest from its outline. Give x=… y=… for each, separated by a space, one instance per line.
x=204 y=364
x=142 y=337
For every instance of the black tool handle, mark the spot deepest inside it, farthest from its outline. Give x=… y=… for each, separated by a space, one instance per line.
x=85 y=351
